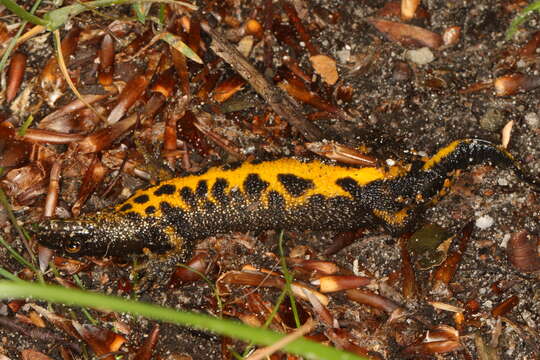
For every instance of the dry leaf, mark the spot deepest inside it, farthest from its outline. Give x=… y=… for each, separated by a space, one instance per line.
x=326 y=67
x=408 y=35
x=29 y=354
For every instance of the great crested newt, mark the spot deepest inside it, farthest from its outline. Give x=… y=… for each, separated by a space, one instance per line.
x=288 y=193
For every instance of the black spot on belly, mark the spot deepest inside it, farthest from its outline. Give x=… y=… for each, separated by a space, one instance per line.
x=254 y=185
x=176 y=217
x=237 y=195
x=350 y=185
x=154 y=239
x=187 y=195
x=295 y=185
x=209 y=206
x=218 y=191
x=166 y=208
x=126 y=207
x=202 y=189
x=150 y=210
x=141 y=199
x=317 y=201
x=167 y=189
x=256 y=161
x=276 y=202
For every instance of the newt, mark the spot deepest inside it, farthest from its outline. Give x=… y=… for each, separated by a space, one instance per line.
x=288 y=193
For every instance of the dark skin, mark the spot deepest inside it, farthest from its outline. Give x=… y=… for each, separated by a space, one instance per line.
x=393 y=201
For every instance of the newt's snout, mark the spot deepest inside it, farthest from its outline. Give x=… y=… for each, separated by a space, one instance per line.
x=103 y=233
x=67 y=235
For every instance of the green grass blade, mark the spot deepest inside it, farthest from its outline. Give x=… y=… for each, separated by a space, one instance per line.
x=8 y=275
x=177 y=43
x=57 y=18
x=288 y=280
x=56 y=294
x=16 y=255
x=520 y=18
x=23 y=14
x=13 y=41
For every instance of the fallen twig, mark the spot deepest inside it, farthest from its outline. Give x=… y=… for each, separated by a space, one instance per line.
x=279 y=102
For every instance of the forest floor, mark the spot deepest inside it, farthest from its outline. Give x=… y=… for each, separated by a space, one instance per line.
x=353 y=73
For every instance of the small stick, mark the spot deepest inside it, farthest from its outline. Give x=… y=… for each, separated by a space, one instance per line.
x=269 y=350
x=39 y=334
x=279 y=102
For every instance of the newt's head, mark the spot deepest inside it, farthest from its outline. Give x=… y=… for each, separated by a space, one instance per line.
x=102 y=234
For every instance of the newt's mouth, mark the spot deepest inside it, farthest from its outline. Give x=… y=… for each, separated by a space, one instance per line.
x=63 y=234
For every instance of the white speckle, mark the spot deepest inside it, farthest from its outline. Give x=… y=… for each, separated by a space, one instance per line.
x=482 y=291
x=532 y=120
x=504 y=241
x=356 y=267
x=420 y=56
x=484 y=222
x=390 y=162
x=529 y=318
x=125 y=192
x=502 y=182
x=343 y=55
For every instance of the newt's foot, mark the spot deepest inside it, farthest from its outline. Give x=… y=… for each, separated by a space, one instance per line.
x=157 y=270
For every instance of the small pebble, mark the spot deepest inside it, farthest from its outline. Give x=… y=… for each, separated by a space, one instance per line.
x=504 y=241
x=493 y=120
x=344 y=55
x=420 y=56
x=484 y=222
x=533 y=120
x=502 y=182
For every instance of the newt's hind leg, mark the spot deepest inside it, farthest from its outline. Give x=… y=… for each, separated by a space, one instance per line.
x=397 y=222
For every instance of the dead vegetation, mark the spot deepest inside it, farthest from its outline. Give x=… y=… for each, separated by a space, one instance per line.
x=237 y=80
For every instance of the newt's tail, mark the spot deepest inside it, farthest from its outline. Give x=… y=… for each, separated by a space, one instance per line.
x=467 y=152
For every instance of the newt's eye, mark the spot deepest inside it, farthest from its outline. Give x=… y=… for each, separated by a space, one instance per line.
x=73 y=246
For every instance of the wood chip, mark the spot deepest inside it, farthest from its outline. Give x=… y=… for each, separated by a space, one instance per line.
x=326 y=67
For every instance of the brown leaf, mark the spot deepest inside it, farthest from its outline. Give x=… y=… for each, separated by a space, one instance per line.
x=522 y=252
x=342 y=282
x=408 y=8
x=15 y=75
x=326 y=67
x=146 y=350
x=514 y=83
x=30 y=354
x=103 y=138
x=131 y=93
x=435 y=347
x=407 y=34
x=228 y=88
x=505 y=307
x=370 y=298
x=102 y=341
